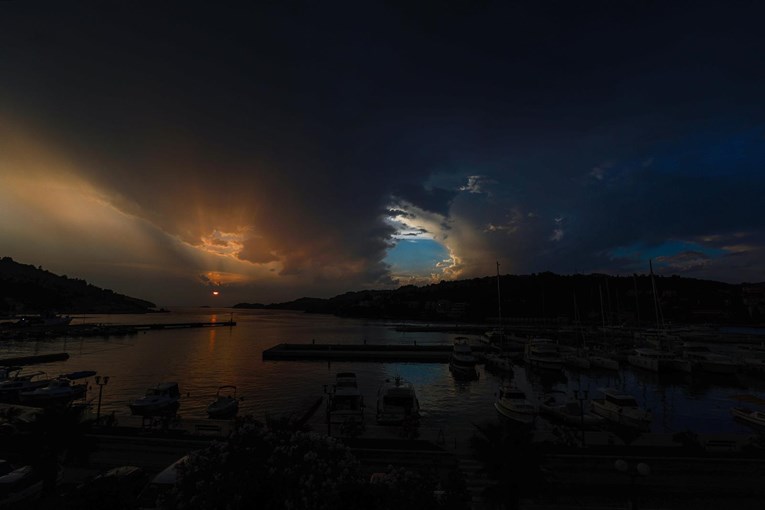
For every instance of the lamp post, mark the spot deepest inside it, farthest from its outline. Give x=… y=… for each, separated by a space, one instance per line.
x=633 y=471
x=101 y=382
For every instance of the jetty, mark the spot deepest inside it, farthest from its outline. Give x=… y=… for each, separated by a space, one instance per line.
x=427 y=353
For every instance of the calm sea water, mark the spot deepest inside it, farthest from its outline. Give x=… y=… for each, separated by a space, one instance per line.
x=201 y=360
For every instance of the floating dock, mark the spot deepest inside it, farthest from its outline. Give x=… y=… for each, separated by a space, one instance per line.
x=364 y=352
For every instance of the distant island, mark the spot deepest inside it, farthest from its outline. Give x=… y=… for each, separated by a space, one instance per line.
x=594 y=299
x=28 y=289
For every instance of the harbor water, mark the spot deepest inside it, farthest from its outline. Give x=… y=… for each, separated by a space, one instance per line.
x=202 y=359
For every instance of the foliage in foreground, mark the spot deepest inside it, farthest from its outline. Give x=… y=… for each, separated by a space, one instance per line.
x=282 y=469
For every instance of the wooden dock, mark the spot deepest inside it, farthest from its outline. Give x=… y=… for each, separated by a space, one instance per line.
x=363 y=352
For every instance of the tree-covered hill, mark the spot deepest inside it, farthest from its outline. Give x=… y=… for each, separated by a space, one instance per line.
x=593 y=298
x=29 y=289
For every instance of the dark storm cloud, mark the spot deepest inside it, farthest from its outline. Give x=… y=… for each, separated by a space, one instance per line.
x=295 y=130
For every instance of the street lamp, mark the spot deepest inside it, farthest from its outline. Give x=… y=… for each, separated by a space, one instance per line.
x=639 y=469
x=101 y=382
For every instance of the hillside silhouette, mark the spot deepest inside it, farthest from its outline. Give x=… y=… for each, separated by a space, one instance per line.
x=29 y=289
x=548 y=297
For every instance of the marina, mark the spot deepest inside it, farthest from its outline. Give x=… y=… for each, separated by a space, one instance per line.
x=334 y=375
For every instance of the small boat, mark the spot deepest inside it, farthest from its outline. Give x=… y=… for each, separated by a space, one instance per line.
x=59 y=391
x=462 y=362
x=512 y=403
x=570 y=411
x=346 y=404
x=621 y=409
x=755 y=419
x=572 y=359
x=18 y=484
x=225 y=405
x=162 y=400
x=397 y=403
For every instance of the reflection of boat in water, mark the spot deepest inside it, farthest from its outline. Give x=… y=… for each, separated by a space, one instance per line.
x=346 y=404
x=225 y=405
x=462 y=361
x=162 y=400
x=569 y=411
x=397 y=402
x=755 y=419
x=621 y=409
x=512 y=403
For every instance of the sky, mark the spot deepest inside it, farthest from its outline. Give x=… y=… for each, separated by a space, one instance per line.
x=289 y=149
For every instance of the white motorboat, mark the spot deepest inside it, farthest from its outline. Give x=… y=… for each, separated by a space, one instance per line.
x=18 y=484
x=701 y=358
x=346 y=404
x=603 y=362
x=573 y=358
x=621 y=409
x=22 y=382
x=543 y=353
x=397 y=403
x=569 y=411
x=755 y=419
x=512 y=403
x=462 y=361
x=59 y=391
x=653 y=360
x=162 y=400
x=225 y=405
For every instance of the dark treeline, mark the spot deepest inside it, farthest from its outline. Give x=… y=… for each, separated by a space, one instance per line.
x=29 y=289
x=592 y=299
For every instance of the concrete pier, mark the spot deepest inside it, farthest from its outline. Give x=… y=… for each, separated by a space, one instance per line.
x=364 y=352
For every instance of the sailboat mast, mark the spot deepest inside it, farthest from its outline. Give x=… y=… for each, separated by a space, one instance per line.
x=659 y=323
x=499 y=300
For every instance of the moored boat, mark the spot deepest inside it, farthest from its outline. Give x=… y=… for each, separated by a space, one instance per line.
x=10 y=389
x=621 y=409
x=397 y=402
x=570 y=411
x=755 y=419
x=18 y=484
x=346 y=404
x=512 y=403
x=543 y=353
x=161 y=400
x=462 y=361
x=59 y=391
x=225 y=405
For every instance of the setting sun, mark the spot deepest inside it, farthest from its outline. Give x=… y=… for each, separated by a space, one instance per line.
x=216 y=293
